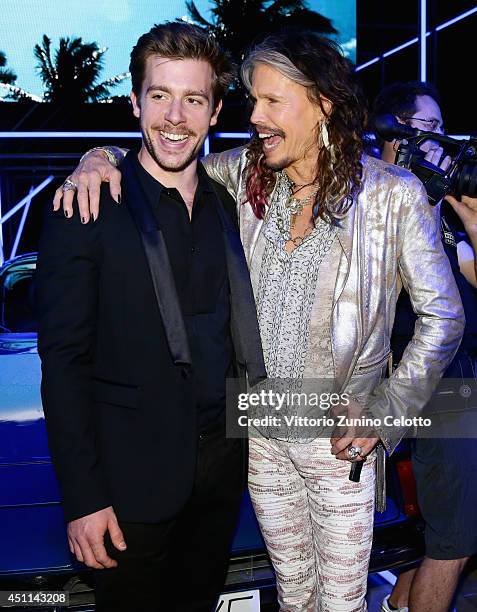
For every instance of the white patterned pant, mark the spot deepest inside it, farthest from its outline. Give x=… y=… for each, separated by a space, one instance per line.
x=317 y=524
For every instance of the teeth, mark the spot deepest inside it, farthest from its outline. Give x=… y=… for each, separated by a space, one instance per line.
x=174 y=136
x=266 y=135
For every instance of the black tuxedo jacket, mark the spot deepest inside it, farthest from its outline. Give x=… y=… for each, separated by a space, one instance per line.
x=116 y=368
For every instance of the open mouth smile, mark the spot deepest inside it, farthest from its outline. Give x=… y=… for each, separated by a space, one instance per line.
x=270 y=140
x=173 y=137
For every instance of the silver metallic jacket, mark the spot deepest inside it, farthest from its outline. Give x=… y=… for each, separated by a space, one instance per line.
x=390 y=235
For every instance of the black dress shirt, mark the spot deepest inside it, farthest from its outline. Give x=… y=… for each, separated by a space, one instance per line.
x=197 y=255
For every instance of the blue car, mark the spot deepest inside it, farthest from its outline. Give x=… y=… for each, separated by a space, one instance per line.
x=34 y=551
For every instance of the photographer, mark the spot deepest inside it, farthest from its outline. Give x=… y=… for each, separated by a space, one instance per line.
x=445 y=469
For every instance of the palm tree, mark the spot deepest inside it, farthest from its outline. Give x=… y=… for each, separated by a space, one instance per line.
x=238 y=23
x=7 y=84
x=72 y=76
x=7 y=76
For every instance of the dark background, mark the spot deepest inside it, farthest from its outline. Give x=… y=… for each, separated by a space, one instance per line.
x=451 y=53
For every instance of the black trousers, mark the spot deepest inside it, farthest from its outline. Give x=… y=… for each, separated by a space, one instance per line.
x=180 y=565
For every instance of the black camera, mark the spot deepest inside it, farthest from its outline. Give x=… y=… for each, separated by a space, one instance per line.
x=459 y=179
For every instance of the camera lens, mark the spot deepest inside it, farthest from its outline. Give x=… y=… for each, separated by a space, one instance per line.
x=466 y=181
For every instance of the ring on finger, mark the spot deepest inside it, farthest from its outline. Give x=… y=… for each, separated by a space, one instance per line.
x=354 y=452
x=69 y=185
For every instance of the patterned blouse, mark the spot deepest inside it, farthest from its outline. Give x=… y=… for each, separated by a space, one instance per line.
x=294 y=296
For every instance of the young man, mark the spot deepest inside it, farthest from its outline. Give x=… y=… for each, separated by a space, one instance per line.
x=444 y=468
x=326 y=233
x=142 y=316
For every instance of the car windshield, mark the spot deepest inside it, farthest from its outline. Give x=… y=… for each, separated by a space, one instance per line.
x=17 y=302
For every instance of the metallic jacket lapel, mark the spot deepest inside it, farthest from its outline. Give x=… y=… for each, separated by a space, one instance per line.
x=244 y=315
x=346 y=327
x=347 y=296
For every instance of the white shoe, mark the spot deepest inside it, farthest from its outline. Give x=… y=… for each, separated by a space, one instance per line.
x=385 y=606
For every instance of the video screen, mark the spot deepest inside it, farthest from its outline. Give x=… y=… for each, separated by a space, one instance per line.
x=114 y=26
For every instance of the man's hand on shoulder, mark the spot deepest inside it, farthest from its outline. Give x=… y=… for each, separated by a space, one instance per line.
x=94 y=168
x=86 y=538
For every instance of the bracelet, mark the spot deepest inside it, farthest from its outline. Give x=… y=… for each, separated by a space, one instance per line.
x=112 y=158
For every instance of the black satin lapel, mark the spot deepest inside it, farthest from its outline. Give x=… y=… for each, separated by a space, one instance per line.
x=166 y=295
x=159 y=266
x=244 y=314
